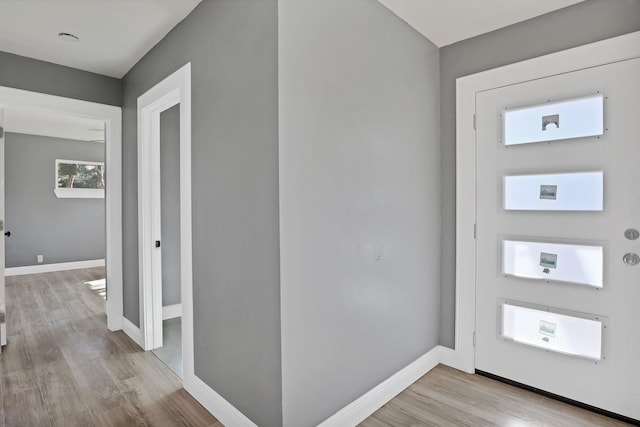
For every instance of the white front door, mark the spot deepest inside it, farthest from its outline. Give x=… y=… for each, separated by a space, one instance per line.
x=558 y=203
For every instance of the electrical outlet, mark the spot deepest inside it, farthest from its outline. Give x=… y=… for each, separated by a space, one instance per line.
x=40 y=258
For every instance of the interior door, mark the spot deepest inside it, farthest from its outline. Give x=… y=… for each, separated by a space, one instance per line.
x=170 y=324
x=558 y=206
x=162 y=191
x=3 y=309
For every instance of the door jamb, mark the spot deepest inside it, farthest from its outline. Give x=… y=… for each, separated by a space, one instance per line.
x=3 y=302
x=175 y=89
x=112 y=116
x=599 y=53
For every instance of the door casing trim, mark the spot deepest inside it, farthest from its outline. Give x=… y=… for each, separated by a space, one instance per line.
x=112 y=116
x=591 y=55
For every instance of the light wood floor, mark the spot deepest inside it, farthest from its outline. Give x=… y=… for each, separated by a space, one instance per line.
x=446 y=397
x=62 y=367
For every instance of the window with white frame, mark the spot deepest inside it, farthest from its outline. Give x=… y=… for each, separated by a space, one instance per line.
x=79 y=179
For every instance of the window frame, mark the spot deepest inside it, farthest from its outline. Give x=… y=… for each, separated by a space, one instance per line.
x=77 y=193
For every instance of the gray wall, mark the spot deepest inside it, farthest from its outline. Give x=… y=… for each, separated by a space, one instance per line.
x=573 y=26
x=40 y=76
x=359 y=201
x=62 y=230
x=232 y=45
x=170 y=204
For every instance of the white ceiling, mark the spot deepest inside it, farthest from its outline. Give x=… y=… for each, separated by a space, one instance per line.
x=46 y=123
x=448 y=21
x=114 y=34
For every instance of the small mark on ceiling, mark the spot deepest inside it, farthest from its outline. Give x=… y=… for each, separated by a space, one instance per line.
x=68 y=37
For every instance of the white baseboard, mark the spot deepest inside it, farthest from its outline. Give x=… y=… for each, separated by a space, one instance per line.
x=361 y=408
x=114 y=324
x=47 y=268
x=132 y=331
x=351 y=415
x=171 y=311
x=224 y=411
x=453 y=359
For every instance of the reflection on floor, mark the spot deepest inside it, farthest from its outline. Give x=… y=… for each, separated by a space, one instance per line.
x=98 y=286
x=171 y=351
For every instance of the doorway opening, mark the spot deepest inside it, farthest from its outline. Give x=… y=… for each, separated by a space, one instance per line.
x=164 y=221
x=107 y=120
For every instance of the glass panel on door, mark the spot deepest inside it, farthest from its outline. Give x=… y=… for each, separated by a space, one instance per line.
x=581 y=191
x=553 y=121
x=574 y=334
x=577 y=264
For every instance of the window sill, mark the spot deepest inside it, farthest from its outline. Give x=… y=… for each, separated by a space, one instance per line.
x=79 y=193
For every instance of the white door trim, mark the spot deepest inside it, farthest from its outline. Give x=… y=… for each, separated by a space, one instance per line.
x=112 y=116
x=150 y=106
x=173 y=90
x=591 y=55
x=3 y=306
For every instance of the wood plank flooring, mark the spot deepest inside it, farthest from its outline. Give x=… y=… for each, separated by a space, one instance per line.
x=447 y=397
x=62 y=367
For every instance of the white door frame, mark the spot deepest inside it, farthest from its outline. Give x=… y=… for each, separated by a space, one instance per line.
x=591 y=55
x=112 y=116
x=3 y=305
x=175 y=89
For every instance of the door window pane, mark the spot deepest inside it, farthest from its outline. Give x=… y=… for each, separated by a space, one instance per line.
x=581 y=191
x=551 y=261
x=552 y=121
x=542 y=327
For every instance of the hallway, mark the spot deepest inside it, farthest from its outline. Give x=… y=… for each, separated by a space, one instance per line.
x=62 y=367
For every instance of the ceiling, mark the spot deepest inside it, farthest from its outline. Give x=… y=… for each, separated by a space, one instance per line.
x=114 y=34
x=46 y=123
x=448 y=21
